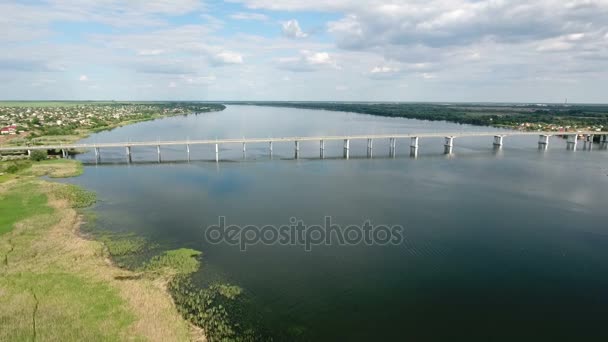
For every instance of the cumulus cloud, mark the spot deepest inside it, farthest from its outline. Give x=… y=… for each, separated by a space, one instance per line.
x=291 y=29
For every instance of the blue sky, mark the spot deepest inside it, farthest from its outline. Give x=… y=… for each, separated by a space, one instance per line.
x=352 y=50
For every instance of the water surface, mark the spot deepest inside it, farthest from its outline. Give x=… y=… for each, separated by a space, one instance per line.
x=498 y=244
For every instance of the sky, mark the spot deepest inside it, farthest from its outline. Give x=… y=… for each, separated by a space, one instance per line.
x=305 y=50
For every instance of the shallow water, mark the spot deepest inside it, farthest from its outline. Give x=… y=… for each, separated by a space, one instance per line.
x=498 y=244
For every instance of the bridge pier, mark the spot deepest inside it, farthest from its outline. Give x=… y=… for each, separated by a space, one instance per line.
x=29 y=153
x=128 y=151
x=392 y=142
x=97 y=154
x=64 y=153
x=498 y=140
x=370 y=146
x=270 y=148
x=217 y=153
x=572 y=142
x=322 y=149
x=158 y=152
x=188 y=151
x=449 y=145
x=346 y=148
x=543 y=142
x=297 y=149
x=414 y=147
x=588 y=139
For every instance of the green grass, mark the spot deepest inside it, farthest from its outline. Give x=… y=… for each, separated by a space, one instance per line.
x=60 y=307
x=21 y=204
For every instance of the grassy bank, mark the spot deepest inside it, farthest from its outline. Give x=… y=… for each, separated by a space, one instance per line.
x=57 y=285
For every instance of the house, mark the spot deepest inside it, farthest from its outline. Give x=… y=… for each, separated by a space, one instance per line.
x=12 y=129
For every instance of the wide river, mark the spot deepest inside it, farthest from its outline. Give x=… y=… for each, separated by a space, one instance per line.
x=498 y=245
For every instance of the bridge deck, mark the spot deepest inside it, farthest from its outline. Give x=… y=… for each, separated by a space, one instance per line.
x=288 y=139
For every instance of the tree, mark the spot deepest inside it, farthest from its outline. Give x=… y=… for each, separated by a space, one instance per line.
x=38 y=155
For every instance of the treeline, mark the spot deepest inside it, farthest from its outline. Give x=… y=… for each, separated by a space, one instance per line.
x=473 y=114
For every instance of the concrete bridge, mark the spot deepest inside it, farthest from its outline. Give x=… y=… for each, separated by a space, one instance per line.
x=498 y=140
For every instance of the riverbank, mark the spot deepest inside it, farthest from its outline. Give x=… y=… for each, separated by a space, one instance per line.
x=57 y=285
x=527 y=117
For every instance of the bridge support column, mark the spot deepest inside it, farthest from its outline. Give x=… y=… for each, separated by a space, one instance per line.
x=572 y=142
x=29 y=153
x=543 y=142
x=498 y=140
x=64 y=153
x=297 y=149
x=586 y=144
x=158 y=152
x=97 y=154
x=322 y=149
x=391 y=147
x=270 y=148
x=128 y=150
x=188 y=151
x=217 y=153
x=346 y=148
x=370 y=147
x=449 y=145
x=603 y=142
x=414 y=147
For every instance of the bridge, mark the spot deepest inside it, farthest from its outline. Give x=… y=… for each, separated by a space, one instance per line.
x=498 y=140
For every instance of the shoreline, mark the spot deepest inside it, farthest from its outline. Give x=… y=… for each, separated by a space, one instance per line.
x=48 y=244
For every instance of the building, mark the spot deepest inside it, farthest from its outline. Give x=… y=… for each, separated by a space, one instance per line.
x=9 y=130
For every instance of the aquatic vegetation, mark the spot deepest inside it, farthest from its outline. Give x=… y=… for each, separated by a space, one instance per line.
x=180 y=261
x=75 y=195
x=214 y=308
x=123 y=245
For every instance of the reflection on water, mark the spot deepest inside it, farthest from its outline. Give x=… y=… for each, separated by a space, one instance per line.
x=508 y=242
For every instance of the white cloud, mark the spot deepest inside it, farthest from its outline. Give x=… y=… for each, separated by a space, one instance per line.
x=150 y=52
x=384 y=72
x=308 y=61
x=249 y=16
x=198 y=80
x=227 y=57
x=291 y=29
x=83 y=78
x=172 y=84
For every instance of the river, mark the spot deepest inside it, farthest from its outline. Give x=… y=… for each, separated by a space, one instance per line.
x=497 y=245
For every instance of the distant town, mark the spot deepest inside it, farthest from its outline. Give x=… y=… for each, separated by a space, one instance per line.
x=39 y=119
